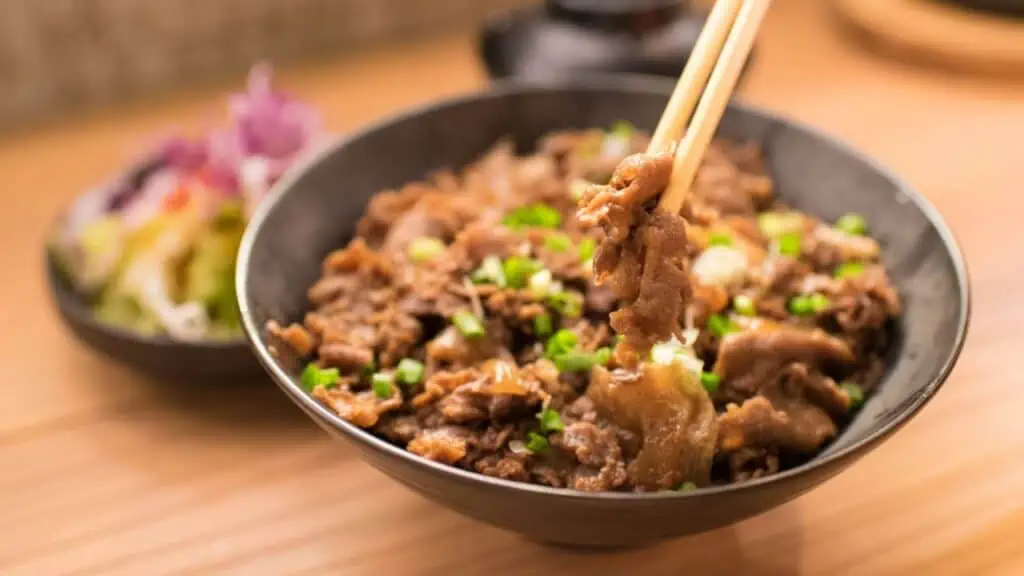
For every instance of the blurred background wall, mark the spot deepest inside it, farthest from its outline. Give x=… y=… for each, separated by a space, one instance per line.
x=61 y=55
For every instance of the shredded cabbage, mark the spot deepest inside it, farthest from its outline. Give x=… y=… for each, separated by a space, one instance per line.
x=155 y=249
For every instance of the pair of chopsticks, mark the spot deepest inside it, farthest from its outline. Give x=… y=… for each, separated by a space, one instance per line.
x=702 y=93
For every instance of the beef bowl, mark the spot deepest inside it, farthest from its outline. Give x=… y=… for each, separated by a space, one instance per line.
x=406 y=401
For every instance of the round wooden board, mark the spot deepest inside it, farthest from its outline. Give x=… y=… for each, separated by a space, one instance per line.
x=939 y=33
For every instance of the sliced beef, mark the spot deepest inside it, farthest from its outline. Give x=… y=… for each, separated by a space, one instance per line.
x=795 y=414
x=446 y=444
x=750 y=358
x=670 y=412
x=363 y=408
x=601 y=467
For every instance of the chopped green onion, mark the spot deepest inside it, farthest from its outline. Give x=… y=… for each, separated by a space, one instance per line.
x=710 y=380
x=410 y=371
x=620 y=338
x=536 y=443
x=370 y=368
x=622 y=129
x=721 y=325
x=550 y=421
x=468 y=324
x=790 y=244
x=425 y=248
x=775 y=224
x=533 y=216
x=604 y=355
x=381 y=384
x=568 y=304
x=744 y=305
x=517 y=271
x=852 y=223
x=573 y=361
x=819 y=302
x=542 y=325
x=849 y=270
x=560 y=343
x=801 y=305
x=587 y=248
x=557 y=242
x=855 y=392
x=314 y=376
x=687 y=487
x=719 y=239
x=665 y=352
x=490 y=272
x=541 y=283
x=577 y=188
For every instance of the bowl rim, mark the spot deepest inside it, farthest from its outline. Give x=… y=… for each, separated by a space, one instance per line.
x=596 y=84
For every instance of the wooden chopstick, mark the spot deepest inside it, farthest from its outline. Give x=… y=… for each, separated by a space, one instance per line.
x=713 y=101
x=694 y=76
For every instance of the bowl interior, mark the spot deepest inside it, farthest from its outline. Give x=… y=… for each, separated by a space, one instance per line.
x=316 y=206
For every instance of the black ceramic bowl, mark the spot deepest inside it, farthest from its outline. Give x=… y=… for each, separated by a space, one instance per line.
x=314 y=210
x=156 y=356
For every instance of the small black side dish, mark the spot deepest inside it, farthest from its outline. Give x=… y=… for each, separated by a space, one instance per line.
x=156 y=356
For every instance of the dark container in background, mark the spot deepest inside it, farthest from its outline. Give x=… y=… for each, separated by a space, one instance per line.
x=572 y=37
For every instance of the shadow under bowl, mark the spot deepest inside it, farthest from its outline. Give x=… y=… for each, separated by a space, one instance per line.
x=314 y=209
x=159 y=357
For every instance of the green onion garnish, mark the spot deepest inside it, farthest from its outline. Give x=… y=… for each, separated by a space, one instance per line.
x=381 y=384
x=370 y=368
x=790 y=244
x=603 y=355
x=533 y=216
x=490 y=272
x=687 y=487
x=721 y=325
x=622 y=129
x=744 y=305
x=536 y=443
x=425 y=248
x=568 y=304
x=468 y=324
x=314 y=376
x=848 y=270
x=573 y=361
x=586 y=249
x=664 y=353
x=819 y=302
x=775 y=224
x=542 y=325
x=719 y=239
x=710 y=380
x=541 y=283
x=855 y=392
x=550 y=421
x=801 y=305
x=805 y=305
x=560 y=343
x=410 y=371
x=852 y=223
x=557 y=242
x=517 y=271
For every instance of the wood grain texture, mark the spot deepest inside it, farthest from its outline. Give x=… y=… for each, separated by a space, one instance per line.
x=102 y=472
x=940 y=33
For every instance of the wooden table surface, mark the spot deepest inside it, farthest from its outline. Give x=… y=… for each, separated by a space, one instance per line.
x=106 y=472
